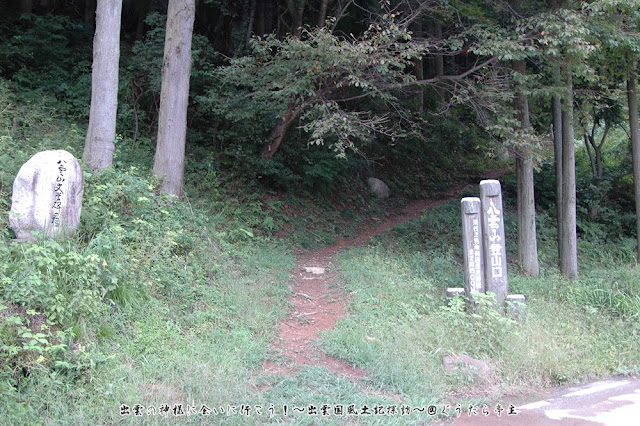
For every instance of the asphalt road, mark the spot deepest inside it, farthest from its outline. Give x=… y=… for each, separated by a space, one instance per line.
x=614 y=401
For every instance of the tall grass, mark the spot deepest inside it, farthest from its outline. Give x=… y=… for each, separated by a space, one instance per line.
x=400 y=325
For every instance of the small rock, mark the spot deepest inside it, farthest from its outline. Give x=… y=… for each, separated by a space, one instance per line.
x=466 y=365
x=314 y=270
x=378 y=188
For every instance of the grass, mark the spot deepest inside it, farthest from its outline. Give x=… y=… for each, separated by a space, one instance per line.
x=400 y=325
x=166 y=351
x=159 y=303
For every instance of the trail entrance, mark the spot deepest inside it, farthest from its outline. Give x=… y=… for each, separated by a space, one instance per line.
x=318 y=304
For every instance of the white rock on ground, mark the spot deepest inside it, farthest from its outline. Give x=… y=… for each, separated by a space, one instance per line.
x=378 y=187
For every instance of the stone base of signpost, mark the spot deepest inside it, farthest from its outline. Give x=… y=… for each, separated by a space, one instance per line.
x=515 y=304
x=455 y=291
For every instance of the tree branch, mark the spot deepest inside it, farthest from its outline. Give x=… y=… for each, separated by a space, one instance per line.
x=440 y=78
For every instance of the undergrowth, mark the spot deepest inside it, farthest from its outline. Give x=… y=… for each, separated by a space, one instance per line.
x=401 y=324
x=160 y=302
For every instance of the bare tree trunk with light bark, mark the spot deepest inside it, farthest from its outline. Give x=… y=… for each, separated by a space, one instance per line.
x=99 y=145
x=527 y=232
x=569 y=239
x=174 y=96
x=632 y=99
x=556 y=110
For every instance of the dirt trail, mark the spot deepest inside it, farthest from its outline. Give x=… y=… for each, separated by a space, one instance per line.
x=317 y=304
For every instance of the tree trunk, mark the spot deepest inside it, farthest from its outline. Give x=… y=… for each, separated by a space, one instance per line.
x=279 y=131
x=252 y=14
x=599 y=166
x=588 y=143
x=142 y=7
x=44 y=5
x=632 y=99
x=418 y=71
x=26 y=6
x=322 y=16
x=595 y=157
x=296 y=10
x=556 y=110
x=569 y=237
x=527 y=233
x=439 y=59
x=260 y=18
x=598 y=152
x=99 y=145
x=174 y=96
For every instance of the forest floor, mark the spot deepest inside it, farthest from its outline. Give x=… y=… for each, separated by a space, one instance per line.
x=318 y=302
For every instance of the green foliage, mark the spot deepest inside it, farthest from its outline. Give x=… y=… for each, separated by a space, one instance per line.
x=142 y=266
x=156 y=299
x=473 y=325
x=400 y=324
x=340 y=92
x=49 y=56
x=616 y=295
x=62 y=282
x=141 y=78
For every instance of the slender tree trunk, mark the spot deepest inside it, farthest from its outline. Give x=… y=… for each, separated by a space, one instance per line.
x=26 y=6
x=296 y=10
x=141 y=12
x=435 y=63
x=569 y=238
x=598 y=152
x=174 y=96
x=588 y=143
x=527 y=233
x=279 y=131
x=99 y=145
x=322 y=15
x=556 y=109
x=252 y=14
x=439 y=60
x=632 y=99
x=557 y=128
x=599 y=166
x=418 y=71
x=271 y=21
x=260 y=19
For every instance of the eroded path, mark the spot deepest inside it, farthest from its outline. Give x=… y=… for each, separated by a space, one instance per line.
x=318 y=304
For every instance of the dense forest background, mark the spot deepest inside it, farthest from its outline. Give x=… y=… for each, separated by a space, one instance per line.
x=292 y=105
x=407 y=90
x=233 y=108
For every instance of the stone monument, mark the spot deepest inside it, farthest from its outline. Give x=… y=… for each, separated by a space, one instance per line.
x=495 y=253
x=484 y=248
x=472 y=247
x=47 y=196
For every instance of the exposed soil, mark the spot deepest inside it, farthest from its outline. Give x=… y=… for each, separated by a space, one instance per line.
x=318 y=303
